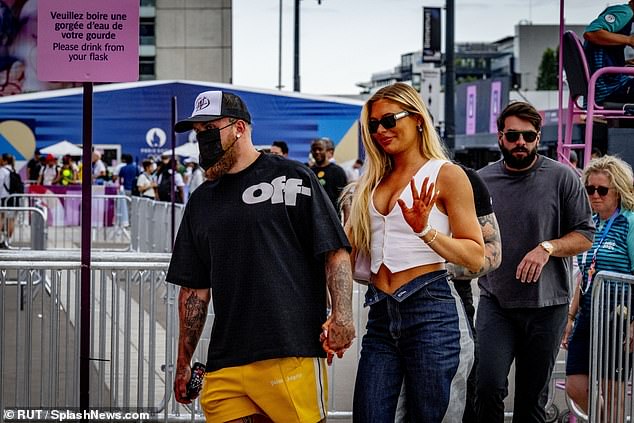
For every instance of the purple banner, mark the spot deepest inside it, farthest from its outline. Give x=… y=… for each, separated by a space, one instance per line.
x=496 y=103
x=471 y=110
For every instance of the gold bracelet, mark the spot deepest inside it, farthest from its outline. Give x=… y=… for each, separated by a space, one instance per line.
x=572 y=316
x=433 y=238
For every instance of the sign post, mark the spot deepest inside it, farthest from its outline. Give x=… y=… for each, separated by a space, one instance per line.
x=87 y=41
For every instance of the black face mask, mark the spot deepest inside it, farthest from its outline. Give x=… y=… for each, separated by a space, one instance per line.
x=210 y=146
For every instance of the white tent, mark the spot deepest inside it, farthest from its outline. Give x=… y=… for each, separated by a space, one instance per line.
x=62 y=148
x=189 y=149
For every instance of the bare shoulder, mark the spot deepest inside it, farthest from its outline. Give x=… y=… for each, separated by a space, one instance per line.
x=451 y=175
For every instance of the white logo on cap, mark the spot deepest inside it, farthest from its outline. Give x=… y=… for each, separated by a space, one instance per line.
x=610 y=18
x=208 y=103
x=201 y=103
x=155 y=138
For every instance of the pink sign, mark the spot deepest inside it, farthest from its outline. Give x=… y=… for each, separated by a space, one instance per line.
x=471 y=110
x=496 y=103
x=88 y=40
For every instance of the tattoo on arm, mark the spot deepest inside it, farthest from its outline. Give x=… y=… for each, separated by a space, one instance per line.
x=339 y=280
x=193 y=313
x=492 y=250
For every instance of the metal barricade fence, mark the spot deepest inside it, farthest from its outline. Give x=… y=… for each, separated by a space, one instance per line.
x=24 y=227
x=134 y=335
x=110 y=221
x=610 y=394
x=151 y=224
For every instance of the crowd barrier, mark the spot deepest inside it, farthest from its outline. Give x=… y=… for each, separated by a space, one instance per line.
x=110 y=223
x=151 y=224
x=610 y=396
x=134 y=334
x=119 y=223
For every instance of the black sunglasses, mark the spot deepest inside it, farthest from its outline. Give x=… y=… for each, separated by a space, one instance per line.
x=514 y=136
x=603 y=191
x=387 y=121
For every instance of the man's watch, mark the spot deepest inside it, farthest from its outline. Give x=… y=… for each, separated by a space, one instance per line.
x=547 y=246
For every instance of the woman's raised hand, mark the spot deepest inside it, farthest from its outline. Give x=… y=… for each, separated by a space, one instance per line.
x=417 y=216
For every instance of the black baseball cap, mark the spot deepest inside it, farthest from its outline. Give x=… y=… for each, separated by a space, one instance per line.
x=212 y=105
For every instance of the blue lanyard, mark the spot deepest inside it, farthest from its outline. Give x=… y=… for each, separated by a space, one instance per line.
x=593 y=262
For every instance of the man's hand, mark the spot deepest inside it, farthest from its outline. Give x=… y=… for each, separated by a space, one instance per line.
x=530 y=268
x=338 y=329
x=183 y=374
x=192 y=312
x=336 y=336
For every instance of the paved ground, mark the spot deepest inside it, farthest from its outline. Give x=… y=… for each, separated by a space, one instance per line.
x=15 y=356
x=342 y=384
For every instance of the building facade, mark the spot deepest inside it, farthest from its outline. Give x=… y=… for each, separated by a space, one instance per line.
x=186 y=39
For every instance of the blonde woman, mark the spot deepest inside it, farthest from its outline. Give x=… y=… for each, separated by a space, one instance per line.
x=412 y=211
x=608 y=183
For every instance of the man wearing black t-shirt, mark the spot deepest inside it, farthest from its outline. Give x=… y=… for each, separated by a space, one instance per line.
x=263 y=236
x=461 y=276
x=331 y=176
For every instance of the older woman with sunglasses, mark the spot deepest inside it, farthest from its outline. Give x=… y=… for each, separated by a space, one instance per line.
x=412 y=211
x=608 y=182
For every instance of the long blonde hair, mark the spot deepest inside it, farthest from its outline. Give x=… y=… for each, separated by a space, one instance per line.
x=378 y=163
x=620 y=175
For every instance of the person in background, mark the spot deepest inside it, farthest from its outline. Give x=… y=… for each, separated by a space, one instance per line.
x=412 y=210
x=605 y=40
x=330 y=149
x=128 y=174
x=49 y=173
x=544 y=219
x=163 y=181
x=34 y=166
x=596 y=153
x=145 y=182
x=7 y=162
x=462 y=277
x=330 y=175
x=99 y=171
x=262 y=235
x=65 y=175
x=353 y=172
x=279 y=148
x=608 y=183
x=196 y=176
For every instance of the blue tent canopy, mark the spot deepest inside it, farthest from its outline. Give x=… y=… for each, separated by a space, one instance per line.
x=137 y=116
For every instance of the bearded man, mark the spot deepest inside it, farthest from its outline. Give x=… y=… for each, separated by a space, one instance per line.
x=544 y=218
x=263 y=237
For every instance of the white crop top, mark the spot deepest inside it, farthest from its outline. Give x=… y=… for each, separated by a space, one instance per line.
x=393 y=241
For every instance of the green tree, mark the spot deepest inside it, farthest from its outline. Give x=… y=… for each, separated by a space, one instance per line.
x=548 y=70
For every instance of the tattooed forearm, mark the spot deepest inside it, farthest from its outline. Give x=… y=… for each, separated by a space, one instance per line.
x=339 y=280
x=192 y=310
x=492 y=250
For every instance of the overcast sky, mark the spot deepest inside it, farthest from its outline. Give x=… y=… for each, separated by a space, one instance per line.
x=344 y=41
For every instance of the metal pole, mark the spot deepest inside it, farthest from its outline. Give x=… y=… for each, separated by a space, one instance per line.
x=296 y=56
x=173 y=172
x=86 y=220
x=450 y=76
x=560 y=88
x=279 y=58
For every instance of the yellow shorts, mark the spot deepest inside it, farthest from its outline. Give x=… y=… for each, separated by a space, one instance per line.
x=292 y=389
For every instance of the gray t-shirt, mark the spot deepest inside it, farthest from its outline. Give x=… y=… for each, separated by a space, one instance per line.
x=542 y=203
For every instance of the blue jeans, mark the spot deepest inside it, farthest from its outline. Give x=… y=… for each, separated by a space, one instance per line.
x=418 y=335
